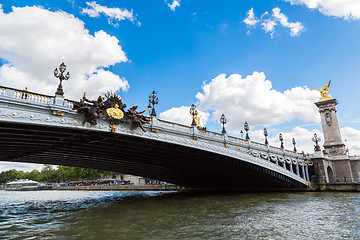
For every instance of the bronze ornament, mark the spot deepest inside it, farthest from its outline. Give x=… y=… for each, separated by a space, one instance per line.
x=112 y=110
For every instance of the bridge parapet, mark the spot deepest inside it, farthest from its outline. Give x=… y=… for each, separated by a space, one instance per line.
x=40 y=109
x=32 y=96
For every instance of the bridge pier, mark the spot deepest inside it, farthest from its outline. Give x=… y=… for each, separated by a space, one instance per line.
x=334 y=164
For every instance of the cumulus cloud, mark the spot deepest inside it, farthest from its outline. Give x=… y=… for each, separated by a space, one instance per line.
x=337 y=8
x=352 y=137
x=113 y=14
x=173 y=5
x=182 y=115
x=34 y=41
x=254 y=100
x=268 y=24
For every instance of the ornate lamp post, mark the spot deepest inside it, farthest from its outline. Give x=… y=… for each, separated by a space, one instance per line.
x=60 y=75
x=266 y=135
x=193 y=113
x=223 y=121
x=281 y=140
x=153 y=101
x=294 y=143
x=316 y=140
x=246 y=127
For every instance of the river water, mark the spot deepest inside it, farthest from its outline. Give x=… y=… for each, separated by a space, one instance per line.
x=173 y=215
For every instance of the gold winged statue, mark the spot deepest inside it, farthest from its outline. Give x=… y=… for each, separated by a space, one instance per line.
x=324 y=92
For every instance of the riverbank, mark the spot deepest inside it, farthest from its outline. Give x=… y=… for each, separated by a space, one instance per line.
x=340 y=187
x=121 y=188
x=117 y=188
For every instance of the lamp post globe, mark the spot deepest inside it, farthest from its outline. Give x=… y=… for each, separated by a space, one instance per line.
x=281 y=140
x=246 y=128
x=316 y=140
x=223 y=121
x=294 y=143
x=193 y=113
x=153 y=100
x=61 y=77
x=266 y=135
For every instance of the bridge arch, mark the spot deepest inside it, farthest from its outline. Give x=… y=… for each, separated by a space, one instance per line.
x=330 y=174
x=42 y=129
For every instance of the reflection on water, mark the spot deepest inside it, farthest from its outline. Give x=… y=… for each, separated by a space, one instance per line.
x=163 y=215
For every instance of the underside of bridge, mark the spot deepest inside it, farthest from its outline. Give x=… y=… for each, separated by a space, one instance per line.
x=172 y=163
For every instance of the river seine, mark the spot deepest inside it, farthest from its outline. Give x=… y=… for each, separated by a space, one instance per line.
x=173 y=215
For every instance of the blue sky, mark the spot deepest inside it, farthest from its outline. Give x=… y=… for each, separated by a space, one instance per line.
x=254 y=61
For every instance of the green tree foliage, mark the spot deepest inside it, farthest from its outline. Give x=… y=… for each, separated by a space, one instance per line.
x=50 y=174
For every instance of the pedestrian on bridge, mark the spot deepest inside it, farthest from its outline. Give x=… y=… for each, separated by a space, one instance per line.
x=24 y=94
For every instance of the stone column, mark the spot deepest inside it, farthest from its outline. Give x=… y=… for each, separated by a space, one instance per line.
x=333 y=144
x=307 y=173
x=303 y=171
x=297 y=169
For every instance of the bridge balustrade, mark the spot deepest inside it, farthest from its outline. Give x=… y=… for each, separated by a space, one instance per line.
x=25 y=95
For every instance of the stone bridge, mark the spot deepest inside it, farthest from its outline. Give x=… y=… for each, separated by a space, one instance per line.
x=36 y=128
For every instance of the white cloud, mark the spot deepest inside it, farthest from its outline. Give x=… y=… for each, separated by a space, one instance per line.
x=268 y=24
x=353 y=139
x=252 y=99
x=337 y=8
x=173 y=5
x=34 y=41
x=182 y=115
x=295 y=28
x=116 y=14
x=251 y=20
x=26 y=167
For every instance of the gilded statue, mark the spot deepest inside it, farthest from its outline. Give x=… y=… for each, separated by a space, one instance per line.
x=197 y=122
x=324 y=92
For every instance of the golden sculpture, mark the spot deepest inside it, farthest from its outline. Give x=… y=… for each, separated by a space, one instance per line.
x=197 y=120
x=115 y=112
x=324 y=92
x=83 y=98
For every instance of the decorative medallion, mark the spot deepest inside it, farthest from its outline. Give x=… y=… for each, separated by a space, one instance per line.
x=328 y=118
x=113 y=128
x=115 y=112
x=59 y=113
